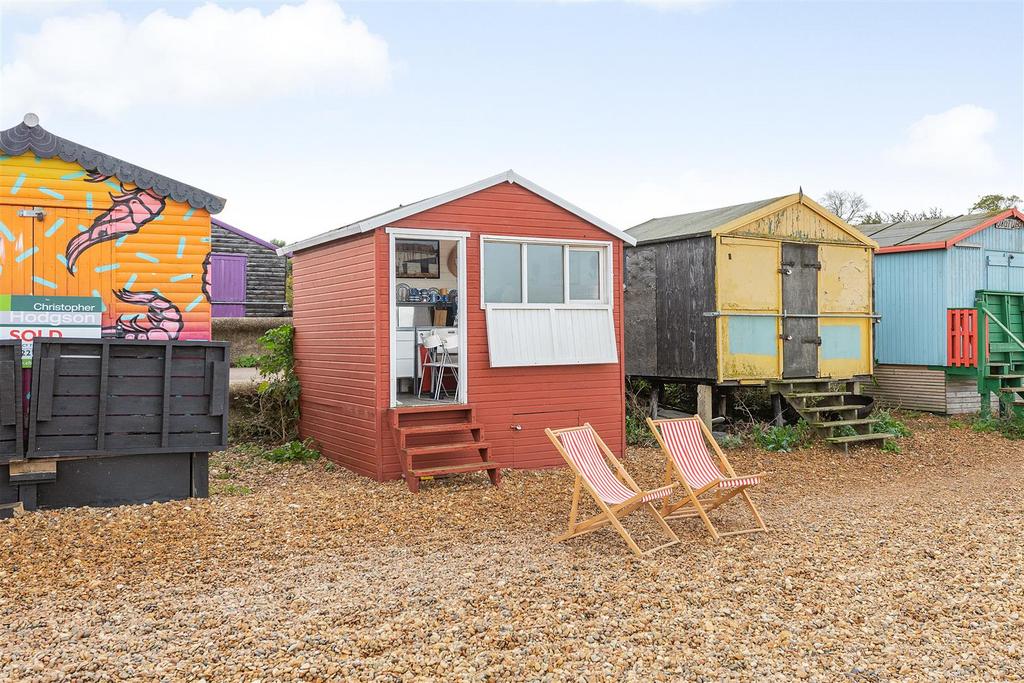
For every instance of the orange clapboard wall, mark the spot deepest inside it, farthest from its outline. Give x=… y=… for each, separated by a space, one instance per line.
x=150 y=273
x=342 y=304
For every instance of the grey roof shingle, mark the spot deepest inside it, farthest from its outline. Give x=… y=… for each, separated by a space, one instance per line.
x=693 y=224
x=906 y=233
x=44 y=144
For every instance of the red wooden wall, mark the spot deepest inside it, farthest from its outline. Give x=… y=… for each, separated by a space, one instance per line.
x=342 y=343
x=536 y=397
x=335 y=350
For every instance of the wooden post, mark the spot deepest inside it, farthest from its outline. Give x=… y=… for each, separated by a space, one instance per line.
x=704 y=403
x=777 y=409
x=723 y=404
x=657 y=390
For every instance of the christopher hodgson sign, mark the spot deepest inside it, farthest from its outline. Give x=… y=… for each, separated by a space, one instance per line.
x=42 y=317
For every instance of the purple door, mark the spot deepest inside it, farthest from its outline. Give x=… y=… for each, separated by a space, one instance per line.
x=227 y=284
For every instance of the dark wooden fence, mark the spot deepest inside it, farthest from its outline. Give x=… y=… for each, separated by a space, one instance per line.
x=12 y=440
x=114 y=397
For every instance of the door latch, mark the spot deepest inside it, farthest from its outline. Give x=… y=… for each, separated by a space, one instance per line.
x=786 y=337
x=516 y=428
x=35 y=212
x=813 y=340
x=786 y=270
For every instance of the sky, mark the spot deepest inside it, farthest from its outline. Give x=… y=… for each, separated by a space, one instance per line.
x=309 y=115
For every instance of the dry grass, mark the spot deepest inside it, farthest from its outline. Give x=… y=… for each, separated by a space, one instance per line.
x=881 y=567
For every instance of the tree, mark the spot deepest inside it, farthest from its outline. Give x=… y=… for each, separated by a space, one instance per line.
x=847 y=205
x=996 y=202
x=873 y=218
x=277 y=242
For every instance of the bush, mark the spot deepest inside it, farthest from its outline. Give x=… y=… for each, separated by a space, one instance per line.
x=782 y=438
x=271 y=414
x=247 y=361
x=1009 y=427
x=888 y=424
x=293 y=451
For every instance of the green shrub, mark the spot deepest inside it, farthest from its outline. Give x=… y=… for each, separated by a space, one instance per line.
x=845 y=430
x=1010 y=427
x=892 y=446
x=730 y=441
x=782 y=438
x=293 y=451
x=888 y=424
x=247 y=361
x=271 y=414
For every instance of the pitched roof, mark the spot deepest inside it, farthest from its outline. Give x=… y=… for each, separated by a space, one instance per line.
x=243 y=234
x=383 y=219
x=30 y=136
x=933 y=233
x=694 y=224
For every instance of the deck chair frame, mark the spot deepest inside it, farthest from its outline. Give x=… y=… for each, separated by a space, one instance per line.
x=696 y=503
x=610 y=515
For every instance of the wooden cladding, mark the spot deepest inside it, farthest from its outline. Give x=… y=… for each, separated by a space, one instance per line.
x=12 y=445
x=116 y=397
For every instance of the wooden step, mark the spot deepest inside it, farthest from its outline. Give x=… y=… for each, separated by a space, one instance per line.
x=438 y=449
x=1012 y=390
x=859 y=437
x=439 y=408
x=421 y=472
x=843 y=423
x=448 y=428
x=818 y=394
x=829 y=409
x=1005 y=376
x=802 y=380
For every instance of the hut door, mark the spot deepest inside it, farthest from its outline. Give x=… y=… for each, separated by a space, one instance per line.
x=800 y=340
x=227 y=275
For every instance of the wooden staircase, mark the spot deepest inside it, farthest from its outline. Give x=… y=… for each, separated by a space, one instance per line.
x=1006 y=380
x=832 y=413
x=428 y=434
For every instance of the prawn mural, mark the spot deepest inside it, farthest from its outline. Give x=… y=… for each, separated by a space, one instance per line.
x=162 y=322
x=66 y=230
x=130 y=210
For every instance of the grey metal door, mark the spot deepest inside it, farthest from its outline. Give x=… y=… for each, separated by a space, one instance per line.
x=800 y=343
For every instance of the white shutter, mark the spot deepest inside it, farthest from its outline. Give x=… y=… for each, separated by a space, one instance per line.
x=521 y=335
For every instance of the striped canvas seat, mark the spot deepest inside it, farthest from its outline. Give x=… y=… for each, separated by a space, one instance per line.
x=579 y=444
x=689 y=452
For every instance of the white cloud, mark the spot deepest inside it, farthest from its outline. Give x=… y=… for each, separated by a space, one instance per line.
x=212 y=56
x=955 y=140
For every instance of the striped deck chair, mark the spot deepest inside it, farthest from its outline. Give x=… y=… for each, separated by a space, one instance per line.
x=707 y=484
x=616 y=496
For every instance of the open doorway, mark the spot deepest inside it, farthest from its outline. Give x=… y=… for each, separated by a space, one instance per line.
x=428 y=332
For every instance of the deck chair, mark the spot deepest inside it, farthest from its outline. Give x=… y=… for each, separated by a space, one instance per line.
x=707 y=484
x=616 y=496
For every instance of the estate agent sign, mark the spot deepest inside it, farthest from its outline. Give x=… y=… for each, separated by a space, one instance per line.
x=29 y=317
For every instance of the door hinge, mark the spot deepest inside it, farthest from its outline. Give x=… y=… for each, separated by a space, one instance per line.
x=812 y=340
x=32 y=213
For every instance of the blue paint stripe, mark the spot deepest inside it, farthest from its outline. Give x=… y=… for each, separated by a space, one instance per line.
x=73 y=176
x=82 y=228
x=44 y=282
x=120 y=240
x=204 y=239
x=6 y=232
x=195 y=302
x=96 y=293
x=182 y=276
x=54 y=228
x=147 y=257
x=18 y=183
x=39 y=159
x=159 y=217
x=188 y=214
x=103 y=269
x=52 y=193
x=25 y=254
x=63 y=260
x=117 y=188
x=131 y=281
x=88 y=201
x=181 y=246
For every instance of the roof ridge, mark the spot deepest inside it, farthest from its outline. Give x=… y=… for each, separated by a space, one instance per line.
x=30 y=136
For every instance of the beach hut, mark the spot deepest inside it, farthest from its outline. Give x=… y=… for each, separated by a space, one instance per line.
x=950 y=293
x=247 y=276
x=445 y=335
x=773 y=292
x=75 y=222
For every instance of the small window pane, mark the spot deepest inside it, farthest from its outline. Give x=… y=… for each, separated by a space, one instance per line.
x=584 y=275
x=503 y=273
x=544 y=274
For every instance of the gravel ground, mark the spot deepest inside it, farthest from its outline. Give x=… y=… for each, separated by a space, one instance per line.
x=880 y=567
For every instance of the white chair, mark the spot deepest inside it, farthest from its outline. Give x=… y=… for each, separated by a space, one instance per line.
x=431 y=343
x=449 y=345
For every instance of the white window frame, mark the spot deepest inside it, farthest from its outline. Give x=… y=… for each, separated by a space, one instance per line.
x=606 y=271
x=461 y=238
